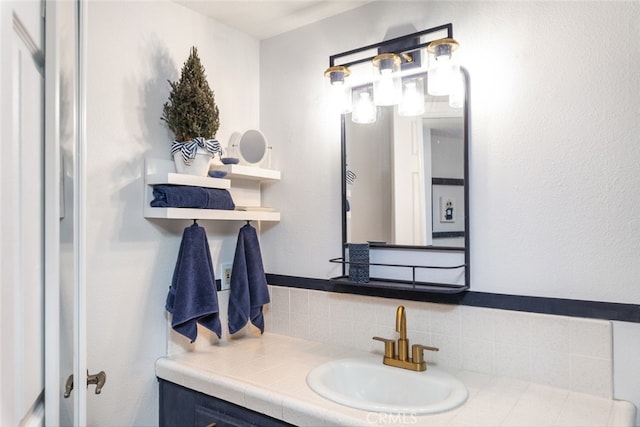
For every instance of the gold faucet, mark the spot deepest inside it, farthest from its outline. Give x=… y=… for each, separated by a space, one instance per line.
x=401 y=359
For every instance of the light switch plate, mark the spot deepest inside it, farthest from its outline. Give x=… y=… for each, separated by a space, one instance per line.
x=225 y=275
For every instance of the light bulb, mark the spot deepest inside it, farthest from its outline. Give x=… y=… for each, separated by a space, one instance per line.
x=440 y=77
x=338 y=90
x=364 y=111
x=340 y=96
x=387 y=84
x=412 y=103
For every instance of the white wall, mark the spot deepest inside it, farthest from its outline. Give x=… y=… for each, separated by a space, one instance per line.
x=134 y=48
x=555 y=146
x=447 y=161
x=554 y=141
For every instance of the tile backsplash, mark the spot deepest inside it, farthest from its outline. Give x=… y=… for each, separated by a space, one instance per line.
x=566 y=352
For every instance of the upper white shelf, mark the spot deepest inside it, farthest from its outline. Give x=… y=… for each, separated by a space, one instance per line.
x=249 y=172
x=192 y=180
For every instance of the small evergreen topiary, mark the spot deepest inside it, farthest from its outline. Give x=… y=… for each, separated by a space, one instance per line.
x=191 y=110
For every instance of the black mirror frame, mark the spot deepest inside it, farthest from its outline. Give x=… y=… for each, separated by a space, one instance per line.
x=433 y=287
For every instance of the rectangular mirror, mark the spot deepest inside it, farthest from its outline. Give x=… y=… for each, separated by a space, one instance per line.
x=405 y=186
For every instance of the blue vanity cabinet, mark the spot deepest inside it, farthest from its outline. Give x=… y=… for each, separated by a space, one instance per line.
x=183 y=407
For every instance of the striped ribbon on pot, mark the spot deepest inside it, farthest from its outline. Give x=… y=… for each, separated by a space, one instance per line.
x=188 y=148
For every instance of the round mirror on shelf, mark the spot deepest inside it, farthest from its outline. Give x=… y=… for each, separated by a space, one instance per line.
x=253 y=147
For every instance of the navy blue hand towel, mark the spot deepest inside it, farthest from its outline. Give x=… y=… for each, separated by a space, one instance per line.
x=192 y=296
x=248 y=283
x=185 y=196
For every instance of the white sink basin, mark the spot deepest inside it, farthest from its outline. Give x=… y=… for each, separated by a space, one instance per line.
x=365 y=383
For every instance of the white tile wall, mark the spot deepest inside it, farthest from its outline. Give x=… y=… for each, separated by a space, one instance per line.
x=571 y=353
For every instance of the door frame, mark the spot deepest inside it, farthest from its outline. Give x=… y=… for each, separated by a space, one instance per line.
x=52 y=171
x=79 y=214
x=54 y=387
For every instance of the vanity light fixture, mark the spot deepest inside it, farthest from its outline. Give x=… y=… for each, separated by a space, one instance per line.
x=442 y=66
x=398 y=74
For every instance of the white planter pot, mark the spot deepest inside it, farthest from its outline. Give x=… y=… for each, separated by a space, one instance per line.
x=199 y=166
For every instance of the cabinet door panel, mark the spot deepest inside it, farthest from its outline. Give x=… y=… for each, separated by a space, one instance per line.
x=205 y=417
x=180 y=407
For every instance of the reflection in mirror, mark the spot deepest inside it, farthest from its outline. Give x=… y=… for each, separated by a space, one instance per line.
x=405 y=177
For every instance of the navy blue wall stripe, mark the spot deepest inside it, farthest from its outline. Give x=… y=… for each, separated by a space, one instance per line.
x=557 y=306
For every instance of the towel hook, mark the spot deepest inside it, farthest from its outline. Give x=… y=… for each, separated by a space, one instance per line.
x=195 y=222
x=248 y=222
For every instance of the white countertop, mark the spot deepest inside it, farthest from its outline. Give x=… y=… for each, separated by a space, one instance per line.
x=267 y=374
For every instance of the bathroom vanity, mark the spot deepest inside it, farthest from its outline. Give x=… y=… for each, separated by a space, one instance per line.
x=262 y=381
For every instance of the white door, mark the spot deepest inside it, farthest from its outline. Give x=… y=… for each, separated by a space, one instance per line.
x=411 y=226
x=22 y=213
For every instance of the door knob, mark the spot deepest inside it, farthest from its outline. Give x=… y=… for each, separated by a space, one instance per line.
x=68 y=386
x=98 y=379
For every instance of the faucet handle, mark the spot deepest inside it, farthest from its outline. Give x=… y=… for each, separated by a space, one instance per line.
x=389 y=346
x=417 y=352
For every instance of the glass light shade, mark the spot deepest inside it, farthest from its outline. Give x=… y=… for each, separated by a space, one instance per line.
x=340 y=96
x=440 y=76
x=338 y=90
x=412 y=103
x=457 y=94
x=364 y=111
x=442 y=67
x=387 y=87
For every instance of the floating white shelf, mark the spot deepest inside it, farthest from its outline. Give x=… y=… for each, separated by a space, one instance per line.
x=214 y=214
x=249 y=172
x=245 y=193
x=192 y=180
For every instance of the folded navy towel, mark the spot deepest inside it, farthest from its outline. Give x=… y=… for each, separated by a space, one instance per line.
x=184 y=196
x=248 y=283
x=192 y=296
